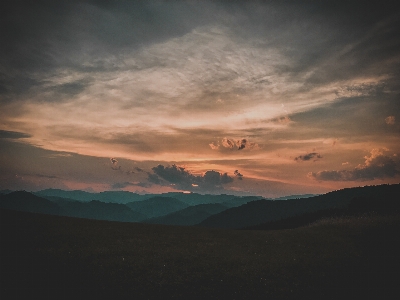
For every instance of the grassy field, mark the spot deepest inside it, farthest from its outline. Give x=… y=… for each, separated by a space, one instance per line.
x=63 y=258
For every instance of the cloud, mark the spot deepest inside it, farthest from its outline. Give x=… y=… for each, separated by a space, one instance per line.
x=137 y=169
x=46 y=176
x=153 y=178
x=231 y=144
x=114 y=162
x=175 y=174
x=78 y=81
x=120 y=185
x=183 y=179
x=214 y=178
x=390 y=120
x=308 y=156
x=284 y=120
x=5 y=134
x=357 y=90
x=213 y=146
x=238 y=175
x=228 y=143
x=376 y=166
x=68 y=89
x=241 y=144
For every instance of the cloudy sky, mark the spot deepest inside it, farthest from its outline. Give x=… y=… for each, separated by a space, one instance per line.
x=241 y=97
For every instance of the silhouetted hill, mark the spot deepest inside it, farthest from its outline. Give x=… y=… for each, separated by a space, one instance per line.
x=302 y=196
x=195 y=199
x=25 y=201
x=54 y=257
x=238 y=201
x=358 y=206
x=75 y=195
x=3 y=192
x=263 y=211
x=125 y=197
x=301 y=220
x=189 y=216
x=58 y=199
x=387 y=203
x=100 y=211
x=157 y=206
x=122 y=197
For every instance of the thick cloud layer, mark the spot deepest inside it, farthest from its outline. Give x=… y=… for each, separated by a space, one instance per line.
x=5 y=134
x=183 y=179
x=255 y=86
x=376 y=166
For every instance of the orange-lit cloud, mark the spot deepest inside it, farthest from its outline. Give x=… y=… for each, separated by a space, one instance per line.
x=390 y=120
x=376 y=166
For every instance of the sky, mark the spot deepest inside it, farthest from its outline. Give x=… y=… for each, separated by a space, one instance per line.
x=267 y=98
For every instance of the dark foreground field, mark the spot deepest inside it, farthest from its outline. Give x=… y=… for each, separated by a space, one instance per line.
x=64 y=258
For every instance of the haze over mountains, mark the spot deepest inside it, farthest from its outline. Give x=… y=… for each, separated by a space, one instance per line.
x=220 y=211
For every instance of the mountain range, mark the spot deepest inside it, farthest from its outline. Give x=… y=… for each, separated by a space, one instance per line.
x=217 y=211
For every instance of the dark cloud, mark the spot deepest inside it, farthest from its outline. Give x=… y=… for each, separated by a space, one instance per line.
x=308 y=156
x=46 y=176
x=225 y=178
x=39 y=37
x=143 y=184
x=241 y=144
x=238 y=175
x=153 y=178
x=214 y=178
x=176 y=175
x=349 y=118
x=362 y=36
x=5 y=134
x=183 y=179
x=376 y=166
x=71 y=88
x=120 y=185
x=114 y=163
x=92 y=35
x=137 y=169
